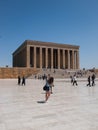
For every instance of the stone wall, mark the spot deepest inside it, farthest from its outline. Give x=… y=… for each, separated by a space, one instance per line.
x=16 y=71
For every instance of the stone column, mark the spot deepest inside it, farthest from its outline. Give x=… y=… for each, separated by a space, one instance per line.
x=68 y=59
x=64 y=59
x=46 y=57
x=77 y=60
x=28 y=56
x=73 y=62
x=58 y=58
x=51 y=58
x=41 y=57
x=34 y=57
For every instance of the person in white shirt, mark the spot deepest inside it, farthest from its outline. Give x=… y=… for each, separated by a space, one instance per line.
x=75 y=80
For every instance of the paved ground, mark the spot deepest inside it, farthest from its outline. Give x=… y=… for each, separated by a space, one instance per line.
x=69 y=107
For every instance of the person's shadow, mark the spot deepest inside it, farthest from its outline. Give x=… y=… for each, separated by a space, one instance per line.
x=43 y=101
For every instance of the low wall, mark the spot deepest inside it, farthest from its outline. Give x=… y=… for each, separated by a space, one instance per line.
x=17 y=71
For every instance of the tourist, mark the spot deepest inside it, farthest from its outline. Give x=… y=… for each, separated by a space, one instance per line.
x=19 y=80
x=52 y=85
x=71 y=77
x=93 y=79
x=89 y=81
x=35 y=76
x=48 y=88
x=74 y=80
x=23 y=80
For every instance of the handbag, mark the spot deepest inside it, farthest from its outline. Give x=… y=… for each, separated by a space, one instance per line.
x=45 y=88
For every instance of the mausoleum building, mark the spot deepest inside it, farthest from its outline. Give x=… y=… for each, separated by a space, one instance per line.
x=38 y=54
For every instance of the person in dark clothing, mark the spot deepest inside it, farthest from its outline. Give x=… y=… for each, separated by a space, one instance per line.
x=19 y=80
x=89 y=81
x=71 y=77
x=23 y=80
x=93 y=79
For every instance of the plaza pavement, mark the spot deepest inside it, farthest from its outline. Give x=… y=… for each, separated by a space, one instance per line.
x=68 y=108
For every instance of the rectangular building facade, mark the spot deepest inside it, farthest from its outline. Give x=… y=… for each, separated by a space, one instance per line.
x=38 y=54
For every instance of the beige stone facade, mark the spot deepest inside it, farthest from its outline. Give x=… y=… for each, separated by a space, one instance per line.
x=37 y=54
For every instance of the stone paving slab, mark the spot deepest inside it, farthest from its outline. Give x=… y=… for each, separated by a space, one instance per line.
x=68 y=108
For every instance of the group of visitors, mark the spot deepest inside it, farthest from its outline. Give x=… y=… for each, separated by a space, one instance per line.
x=21 y=81
x=91 y=80
x=50 y=80
x=49 y=84
x=40 y=76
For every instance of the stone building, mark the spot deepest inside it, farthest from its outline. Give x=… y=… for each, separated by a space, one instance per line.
x=38 y=54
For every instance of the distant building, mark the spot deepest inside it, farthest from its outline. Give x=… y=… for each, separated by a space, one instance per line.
x=38 y=54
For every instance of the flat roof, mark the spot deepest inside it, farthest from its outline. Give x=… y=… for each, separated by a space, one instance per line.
x=45 y=44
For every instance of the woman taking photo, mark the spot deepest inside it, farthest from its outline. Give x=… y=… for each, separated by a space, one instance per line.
x=49 y=85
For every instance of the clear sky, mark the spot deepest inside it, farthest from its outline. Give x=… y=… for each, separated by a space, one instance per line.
x=62 y=21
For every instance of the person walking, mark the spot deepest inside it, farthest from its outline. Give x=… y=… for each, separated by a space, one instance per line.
x=71 y=79
x=89 y=81
x=23 y=80
x=52 y=85
x=93 y=79
x=74 y=80
x=19 y=80
x=48 y=88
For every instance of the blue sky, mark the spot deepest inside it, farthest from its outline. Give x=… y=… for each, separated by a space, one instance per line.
x=62 y=21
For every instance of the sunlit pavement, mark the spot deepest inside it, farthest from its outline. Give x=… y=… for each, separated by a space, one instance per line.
x=68 y=108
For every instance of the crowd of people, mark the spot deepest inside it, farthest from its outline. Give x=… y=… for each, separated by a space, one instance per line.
x=49 y=82
x=91 y=80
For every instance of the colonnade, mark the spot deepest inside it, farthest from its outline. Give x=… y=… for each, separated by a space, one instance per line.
x=50 y=57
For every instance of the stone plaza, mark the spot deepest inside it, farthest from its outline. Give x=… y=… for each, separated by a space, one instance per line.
x=68 y=108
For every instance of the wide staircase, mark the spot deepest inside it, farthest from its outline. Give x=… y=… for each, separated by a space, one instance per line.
x=62 y=73
x=56 y=73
